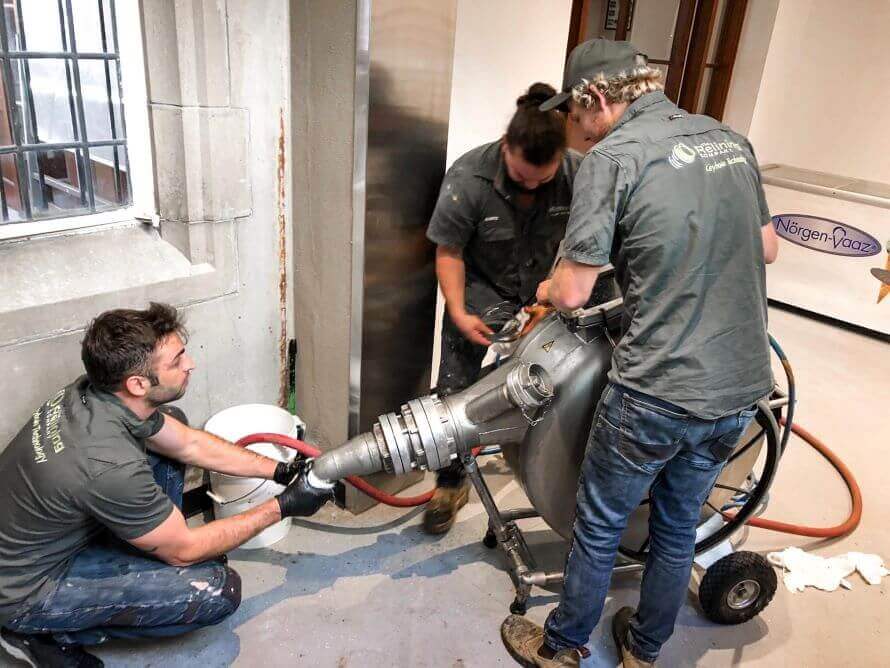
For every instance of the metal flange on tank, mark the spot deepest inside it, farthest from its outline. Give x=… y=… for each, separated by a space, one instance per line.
x=429 y=432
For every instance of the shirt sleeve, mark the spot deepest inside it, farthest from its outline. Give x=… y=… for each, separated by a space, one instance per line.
x=127 y=500
x=573 y=161
x=597 y=198
x=454 y=219
x=765 y=217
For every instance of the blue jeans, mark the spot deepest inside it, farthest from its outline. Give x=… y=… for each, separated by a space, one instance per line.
x=112 y=590
x=638 y=445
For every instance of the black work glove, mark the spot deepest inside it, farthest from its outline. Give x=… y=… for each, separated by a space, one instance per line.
x=300 y=499
x=287 y=471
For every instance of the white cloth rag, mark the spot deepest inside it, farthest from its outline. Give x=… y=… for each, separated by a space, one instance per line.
x=802 y=570
x=506 y=348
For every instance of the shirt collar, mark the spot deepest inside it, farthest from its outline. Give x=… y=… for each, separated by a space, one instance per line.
x=112 y=403
x=492 y=168
x=643 y=104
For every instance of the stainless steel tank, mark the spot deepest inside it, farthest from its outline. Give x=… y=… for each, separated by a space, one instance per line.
x=547 y=462
x=538 y=406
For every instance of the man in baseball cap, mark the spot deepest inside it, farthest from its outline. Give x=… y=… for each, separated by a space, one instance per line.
x=674 y=201
x=590 y=59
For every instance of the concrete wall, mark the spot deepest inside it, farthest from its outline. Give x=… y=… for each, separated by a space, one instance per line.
x=323 y=81
x=219 y=102
x=824 y=101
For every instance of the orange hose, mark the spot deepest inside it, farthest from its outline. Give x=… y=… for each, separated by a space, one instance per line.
x=818 y=532
x=310 y=451
x=772 y=525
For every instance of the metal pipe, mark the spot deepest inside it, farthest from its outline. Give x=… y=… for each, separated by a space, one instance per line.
x=627 y=568
x=541 y=578
x=488 y=406
x=519 y=514
x=358 y=456
x=428 y=433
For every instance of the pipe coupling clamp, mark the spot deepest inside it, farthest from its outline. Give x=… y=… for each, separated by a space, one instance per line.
x=529 y=386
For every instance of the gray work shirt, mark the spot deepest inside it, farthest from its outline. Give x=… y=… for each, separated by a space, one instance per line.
x=77 y=467
x=675 y=202
x=507 y=250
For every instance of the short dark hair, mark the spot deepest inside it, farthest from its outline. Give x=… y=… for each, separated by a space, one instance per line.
x=121 y=343
x=540 y=135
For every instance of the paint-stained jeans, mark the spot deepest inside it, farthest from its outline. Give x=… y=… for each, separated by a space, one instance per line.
x=640 y=444
x=111 y=590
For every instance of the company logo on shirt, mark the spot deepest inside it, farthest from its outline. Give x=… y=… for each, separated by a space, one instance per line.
x=50 y=414
x=825 y=236
x=681 y=155
x=715 y=149
x=715 y=155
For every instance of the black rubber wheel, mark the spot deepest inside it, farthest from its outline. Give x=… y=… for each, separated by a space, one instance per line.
x=518 y=608
x=737 y=587
x=490 y=540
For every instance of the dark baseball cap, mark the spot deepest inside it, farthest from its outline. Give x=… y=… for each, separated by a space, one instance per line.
x=593 y=57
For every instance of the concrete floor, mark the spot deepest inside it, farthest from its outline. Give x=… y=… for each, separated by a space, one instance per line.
x=373 y=590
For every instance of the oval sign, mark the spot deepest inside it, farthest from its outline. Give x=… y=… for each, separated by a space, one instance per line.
x=825 y=236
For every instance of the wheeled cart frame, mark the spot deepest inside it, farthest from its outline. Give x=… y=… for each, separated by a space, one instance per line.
x=735 y=587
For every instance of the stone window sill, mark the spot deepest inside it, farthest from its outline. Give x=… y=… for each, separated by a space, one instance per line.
x=55 y=284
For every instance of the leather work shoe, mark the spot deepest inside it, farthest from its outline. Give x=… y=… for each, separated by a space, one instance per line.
x=442 y=509
x=41 y=651
x=620 y=627
x=524 y=640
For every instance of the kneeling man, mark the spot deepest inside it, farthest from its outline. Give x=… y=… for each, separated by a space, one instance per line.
x=93 y=543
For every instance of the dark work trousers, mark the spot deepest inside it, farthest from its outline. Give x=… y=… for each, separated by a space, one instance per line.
x=112 y=590
x=459 y=367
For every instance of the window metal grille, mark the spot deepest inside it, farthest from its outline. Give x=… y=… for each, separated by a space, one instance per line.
x=63 y=149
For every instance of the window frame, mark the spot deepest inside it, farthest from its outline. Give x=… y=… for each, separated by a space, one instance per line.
x=134 y=99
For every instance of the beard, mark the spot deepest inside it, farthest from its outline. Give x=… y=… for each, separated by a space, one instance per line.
x=525 y=191
x=164 y=394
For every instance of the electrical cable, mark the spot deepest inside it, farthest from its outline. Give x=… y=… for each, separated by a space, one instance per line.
x=846 y=475
x=836 y=531
x=792 y=391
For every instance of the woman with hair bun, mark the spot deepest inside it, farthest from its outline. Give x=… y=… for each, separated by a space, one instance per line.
x=498 y=224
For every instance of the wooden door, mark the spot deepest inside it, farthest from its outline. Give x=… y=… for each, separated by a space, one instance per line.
x=693 y=42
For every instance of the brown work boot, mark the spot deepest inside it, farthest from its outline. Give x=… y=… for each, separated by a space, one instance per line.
x=525 y=642
x=620 y=627
x=442 y=508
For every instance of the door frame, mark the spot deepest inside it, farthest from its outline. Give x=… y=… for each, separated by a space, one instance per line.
x=693 y=31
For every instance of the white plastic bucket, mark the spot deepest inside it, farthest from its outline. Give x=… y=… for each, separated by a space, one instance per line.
x=233 y=495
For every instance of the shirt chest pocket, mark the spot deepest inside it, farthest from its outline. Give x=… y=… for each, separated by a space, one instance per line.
x=496 y=228
x=553 y=225
x=558 y=215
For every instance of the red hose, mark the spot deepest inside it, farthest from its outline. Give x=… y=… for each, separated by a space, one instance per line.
x=799 y=530
x=818 y=532
x=310 y=451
